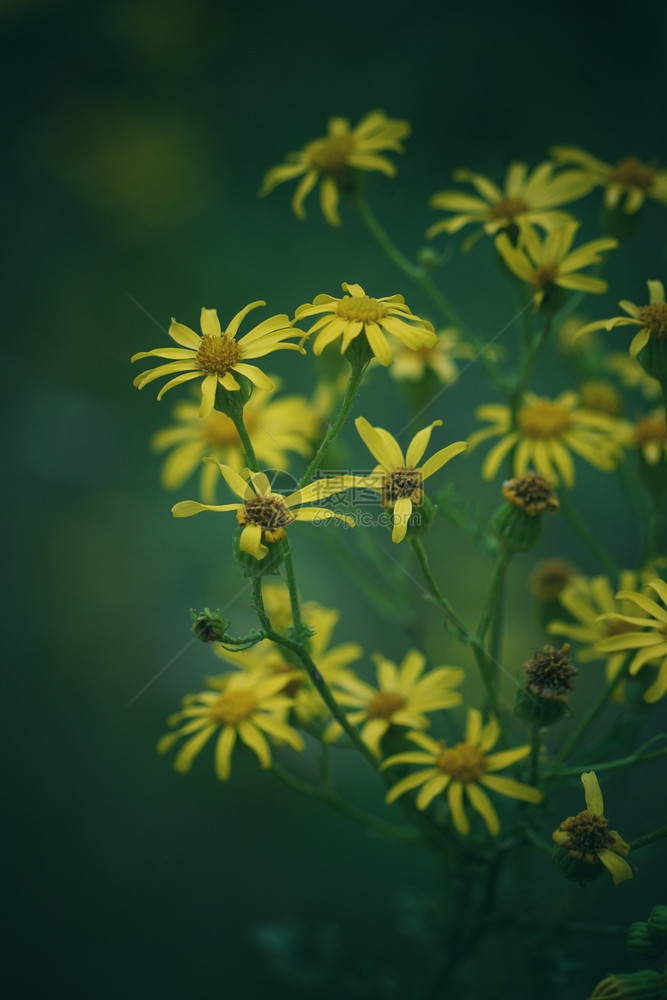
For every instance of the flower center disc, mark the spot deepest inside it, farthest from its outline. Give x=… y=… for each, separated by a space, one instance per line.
x=588 y=835
x=403 y=483
x=232 y=707
x=508 y=208
x=329 y=156
x=384 y=704
x=269 y=512
x=655 y=317
x=544 y=276
x=651 y=429
x=618 y=628
x=362 y=308
x=463 y=762
x=543 y=420
x=631 y=172
x=216 y=355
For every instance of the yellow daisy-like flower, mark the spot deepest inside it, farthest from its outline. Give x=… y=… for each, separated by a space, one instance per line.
x=402 y=698
x=411 y=365
x=268 y=659
x=586 y=599
x=398 y=478
x=265 y=515
x=217 y=354
x=600 y=395
x=631 y=375
x=465 y=767
x=547 y=431
x=358 y=313
x=248 y=706
x=527 y=199
x=650 y=642
x=275 y=427
x=649 y=436
x=629 y=179
x=586 y=838
x=544 y=264
x=652 y=319
x=334 y=159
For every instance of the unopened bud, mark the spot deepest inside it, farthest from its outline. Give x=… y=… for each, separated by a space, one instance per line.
x=208 y=626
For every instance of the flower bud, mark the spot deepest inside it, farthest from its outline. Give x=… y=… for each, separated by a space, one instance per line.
x=643 y=985
x=517 y=522
x=549 y=677
x=208 y=626
x=657 y=921
x=642 y=941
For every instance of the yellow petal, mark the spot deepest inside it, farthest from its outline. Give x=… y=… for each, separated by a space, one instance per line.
x=223 y=752
x=419 y=444
x=210 y=324
x=618 y=867
x=385 y=450
x=400 y=517
x=251 y=541
x=593 y=795
x=480 y=801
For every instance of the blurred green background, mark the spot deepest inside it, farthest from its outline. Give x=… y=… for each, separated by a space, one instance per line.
x=138 y=134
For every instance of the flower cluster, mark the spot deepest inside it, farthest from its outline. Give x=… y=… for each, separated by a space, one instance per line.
x=441 y=703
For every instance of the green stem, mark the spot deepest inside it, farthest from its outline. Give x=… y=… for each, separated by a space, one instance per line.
x=592 y=714
x=534 y=346
x=291 y=587
x=483 y=661
x=298 y=648
x=580 y=528
x=492 y=614
x=535 y=747
x=422 y=278
x=390 y=831
x=356 y=375
x=650 y=838
x=638 y=757
x=493 y=596
x=236 y=413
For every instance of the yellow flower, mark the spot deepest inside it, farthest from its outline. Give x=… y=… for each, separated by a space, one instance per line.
x=402 y=697
x=265 y=515
x=216 y=354
x=543 y=264
x=549 y=578
x=398 y=478
x=358 y=313
x=586 y=838
x=268 y=659
x=631 y=374
x=275 y=426
x=335 y=158
x=586 y=599
x=248 y=706
x=600 y=395
x=526 y=200
x=547 y=430
x=650 y=643
x=466 y=766
x=412 y=365
x=652 y=319
x=629 y=178
x=649 y=435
